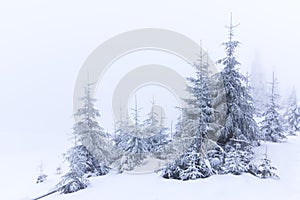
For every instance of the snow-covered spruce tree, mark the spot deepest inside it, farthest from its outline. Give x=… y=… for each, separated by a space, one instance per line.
x=238 y=153
x=129 y=139
x=157 y=142
x=199 y=107
x=132 y=145
x=155 y=131
x=238 y=159
x=233 y=97
x=292 y=114
x=90 y=133
x=42 y=176
x=189 y=166
x=133 y=149
x=216 y=157
x=86 y=133
x=272 y=124
x=75 y=178
x=194 y=125
x=265 y=169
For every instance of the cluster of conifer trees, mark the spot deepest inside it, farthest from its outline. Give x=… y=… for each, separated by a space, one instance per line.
x=216 y=133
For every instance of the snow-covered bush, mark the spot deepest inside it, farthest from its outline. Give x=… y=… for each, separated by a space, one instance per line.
x=237 y=160
x=191 y=165
x=265 y=169
x=42 y=176
x=72 y=182
x=216 y=159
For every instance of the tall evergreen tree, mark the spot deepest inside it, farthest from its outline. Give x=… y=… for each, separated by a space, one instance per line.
x=155 y=131
x=272 y=125
x=86 y=134
x=90 y=133
x=234 y=98
x=199 y=109
x=193 y=129
x=196 y=124
x=131 y=142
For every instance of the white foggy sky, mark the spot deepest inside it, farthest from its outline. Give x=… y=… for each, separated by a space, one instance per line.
x=43 y=44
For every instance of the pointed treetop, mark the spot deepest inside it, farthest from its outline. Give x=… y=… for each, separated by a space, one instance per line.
x=136 y=112
x=41 y=167
x=88 y=83
x=202 y=59
x=231 y=27
x=248 y=77
x=88 y=78
x=273 y=81
x=230 y=47
x=201 y=54
x=207 y=61
x=152 y=107
x=273 y=84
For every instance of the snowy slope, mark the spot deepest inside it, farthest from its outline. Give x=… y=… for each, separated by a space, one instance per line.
x=284 y=156
x=20 y=156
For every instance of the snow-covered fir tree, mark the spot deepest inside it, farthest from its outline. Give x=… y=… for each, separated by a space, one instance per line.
x=272 y=125
x=131 y=142
x=264 y=169
x=195 y=122
x=138 y=140
x=90 y=133
x=155 y=131
x=128 y=141
x=238 y=159
x=233 y=98
x=193 y=129
x=42 y=176
x=216 y=157
x=189 y=166
x=71 y=182
x=292 y=114
x=157 y=142
x=199 y=107
x=75 y=178
x=90 y=154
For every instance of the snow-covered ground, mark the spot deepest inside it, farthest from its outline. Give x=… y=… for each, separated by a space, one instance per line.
x=20 y=160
